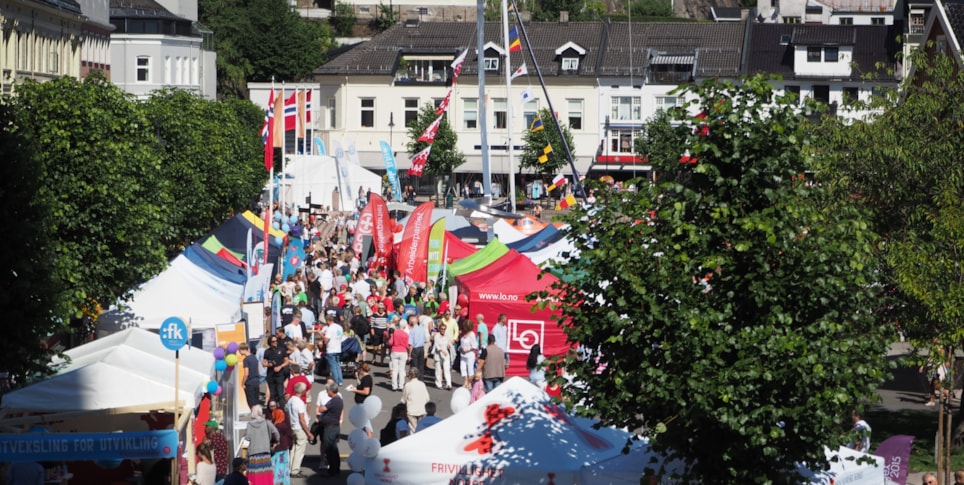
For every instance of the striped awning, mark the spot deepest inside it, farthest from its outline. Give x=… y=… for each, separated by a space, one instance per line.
x=673 y=60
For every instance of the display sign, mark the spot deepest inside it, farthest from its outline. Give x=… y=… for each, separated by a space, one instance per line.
x=173 y=333
x=88 y=446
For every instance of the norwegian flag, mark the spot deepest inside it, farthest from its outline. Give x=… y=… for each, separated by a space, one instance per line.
x=418 y=162
x=428 y=135
x=444 y=104
x=457 y=65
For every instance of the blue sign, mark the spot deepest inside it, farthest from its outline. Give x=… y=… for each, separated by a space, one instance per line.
x=173 y=333
x=88 y=446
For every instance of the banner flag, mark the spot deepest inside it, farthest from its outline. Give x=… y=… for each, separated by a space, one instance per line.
x=391 y=169
x=436 y=250
x=413 y=250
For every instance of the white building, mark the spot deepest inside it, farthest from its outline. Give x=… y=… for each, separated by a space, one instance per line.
x=40 y=40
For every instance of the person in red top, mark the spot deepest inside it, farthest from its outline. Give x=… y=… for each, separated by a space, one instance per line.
x=296 y=377
x=398 y=343
x=343 y=295
x=389 y=302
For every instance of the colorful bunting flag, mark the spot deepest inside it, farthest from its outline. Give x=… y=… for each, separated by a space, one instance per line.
x=511 y=7
x=291 y=112
x=558 y=181
x=429 y=135
x=566 y=203
x=536 y=125
x=545 y=153
x=687 y=159
x=457 y=65
x=521 y=71
x=514 y=44
x=527 y=95
x=444 y=104
x=418 y=162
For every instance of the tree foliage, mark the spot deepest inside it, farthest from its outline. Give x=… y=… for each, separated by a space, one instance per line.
x=660 y=141
x=904 y=166
x=726 y=310
x=33 y=297
x=444 y=157
x=343 y=19
x=536 y=142
x=257 y=40
x=651 y=8
x=385 y=18
x=211 y=158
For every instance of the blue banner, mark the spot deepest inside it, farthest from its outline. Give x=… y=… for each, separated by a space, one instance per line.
x=391 y=170
x=88 y=446
x=321 y=146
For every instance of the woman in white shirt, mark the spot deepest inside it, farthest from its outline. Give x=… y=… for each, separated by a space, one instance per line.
x=468 y=352
x=206 y=471
x=442 y=345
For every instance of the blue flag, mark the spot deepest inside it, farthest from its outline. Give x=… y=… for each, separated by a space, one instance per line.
x=391 y=170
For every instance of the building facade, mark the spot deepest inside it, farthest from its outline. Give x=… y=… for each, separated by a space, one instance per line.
x=40 y=40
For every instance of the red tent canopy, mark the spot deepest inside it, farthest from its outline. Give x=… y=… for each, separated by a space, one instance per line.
x=457 y=249
x=502 y=287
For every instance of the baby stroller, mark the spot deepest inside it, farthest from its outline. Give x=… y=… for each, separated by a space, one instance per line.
x=350 y=348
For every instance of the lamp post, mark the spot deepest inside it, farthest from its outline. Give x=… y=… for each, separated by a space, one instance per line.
x=391 y=129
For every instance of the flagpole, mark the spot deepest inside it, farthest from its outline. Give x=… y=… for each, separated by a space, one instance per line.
x=552 y=111
x=508 y=101
x=267 y=224
x=483 y=129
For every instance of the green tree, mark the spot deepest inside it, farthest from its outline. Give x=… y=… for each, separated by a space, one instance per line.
x=212 y=161
x=536 y=143
x=343 y=19
x=904 y=167
x=444 y=157
x=735 y=326
x=257 y=40
x=660 y=141
x=652 y=8
x=103 y=183
x=385 y=18
x=33 y=297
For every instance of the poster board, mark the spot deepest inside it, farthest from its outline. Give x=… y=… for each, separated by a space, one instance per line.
x=253 y=312
x=230 y=332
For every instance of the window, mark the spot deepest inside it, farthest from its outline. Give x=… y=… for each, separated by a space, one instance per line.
x=500 y=112
x=491 y=63
x=143 y=69
x=941 y=44
x=666 y=102
x=626 y=108
x=529 y=111
x=331 y=113
x=813 y=54
x=846 y=20
x=167 y=70
x=791 y=20
x=794 y=90
x=411 y=110
x=575 y=114
x=876 y=21
x=850 y=95
x=821 y=93
x=423 y=11
x=813 y=10
x=53 y=62
x=364 y=10
x=570 y=63
x=831 y=54
x=916 y=23
x=368 y=112
x=470 y=113
x=621 y=140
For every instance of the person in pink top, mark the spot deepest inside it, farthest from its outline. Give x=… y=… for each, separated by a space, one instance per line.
x=398 y=343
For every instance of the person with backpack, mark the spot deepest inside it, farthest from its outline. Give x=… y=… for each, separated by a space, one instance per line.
x=362 y=328
x=389 y=434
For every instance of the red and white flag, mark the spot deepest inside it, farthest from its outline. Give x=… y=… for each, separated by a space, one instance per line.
x=444 y=105
x=267 y=134
x=428 y=135
x=418 y=162
x=558 y=181
x=521 y=71
x=457 y=65
x=291 y=112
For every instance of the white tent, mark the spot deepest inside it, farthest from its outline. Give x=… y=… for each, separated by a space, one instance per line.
x=515 y=434
x=555 y=253
x=848 y=466
x=184 y=290
x=130 y=369
x=506 y=233
x=318 y=176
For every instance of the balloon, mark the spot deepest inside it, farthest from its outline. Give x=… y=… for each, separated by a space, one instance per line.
x=293 y=220
x=212 y=386
x=463 y=300
x=356 y=479
x=279 y=241
x=464 y=313
x=356 y=438
x=220 y=365
x=356 y=462
x=233 y=348
x=231 y=360
x=460 y=399
x=371 y=447
x=217 y=391
x=373 y=406
x=285 y=227
x=218 y=353
x=398 y=227
x=357 y=416
x=277 y=216
x=450 y=261
x=276 y=225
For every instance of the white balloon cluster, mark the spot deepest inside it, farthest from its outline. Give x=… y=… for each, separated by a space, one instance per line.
x=460 y=399
x=362 y=447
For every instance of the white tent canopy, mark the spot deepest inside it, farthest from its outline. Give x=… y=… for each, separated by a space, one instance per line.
x=184 y=290
x=318 y=176
x=535 y=442
x=129 y=369
x=506 y=233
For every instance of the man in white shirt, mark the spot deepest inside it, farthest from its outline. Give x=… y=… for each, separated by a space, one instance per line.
x=327 y=278
x=293 y=329
x=298 y=417
x=501 y=333
x=333 y=335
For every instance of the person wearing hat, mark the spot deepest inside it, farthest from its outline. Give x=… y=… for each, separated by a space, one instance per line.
x=219 y=447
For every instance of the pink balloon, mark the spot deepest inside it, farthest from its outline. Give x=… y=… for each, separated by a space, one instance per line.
x=218 y=392
x=464 y=313
x=463 y=299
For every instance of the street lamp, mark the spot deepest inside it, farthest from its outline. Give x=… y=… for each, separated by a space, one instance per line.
x=391 y=129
